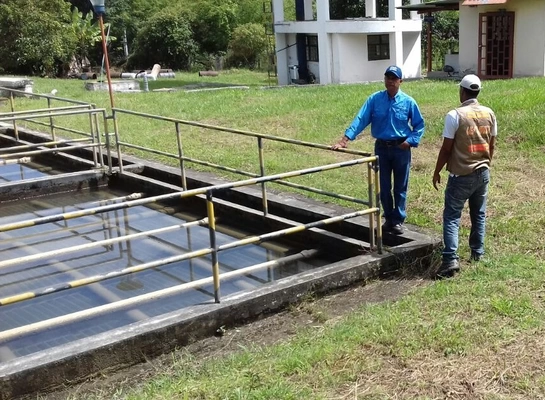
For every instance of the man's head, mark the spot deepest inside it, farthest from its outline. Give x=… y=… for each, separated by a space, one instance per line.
x=470 y=87
x=393 y=76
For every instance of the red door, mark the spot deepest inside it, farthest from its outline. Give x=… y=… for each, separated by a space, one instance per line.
x=496 y=31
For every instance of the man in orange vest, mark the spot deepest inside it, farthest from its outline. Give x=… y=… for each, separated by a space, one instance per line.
x=469 y=137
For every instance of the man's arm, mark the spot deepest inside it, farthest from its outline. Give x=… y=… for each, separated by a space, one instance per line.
x=360 y=122
x=494 y=133
x=442 y=158
x=417 y=122
x=492 y=146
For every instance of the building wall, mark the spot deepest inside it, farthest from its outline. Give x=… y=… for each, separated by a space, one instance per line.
x=529 y=36
x=343 y=45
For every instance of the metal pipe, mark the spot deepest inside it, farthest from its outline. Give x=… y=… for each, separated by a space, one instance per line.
x=89 y=225
x=198 y=253
x=294 y=229
x=246 y=133
x=47 y=110
x=262 y=173
x=429 y=43
x=23 y=160
x=108 y=150
x=46 y=151
x=377 y=202
x=118 y=305
x=12 y=106
x=74 y=112
x=51 y=123
x=67 y=250
x=45 y=96
x=105 y=51
x=59 y=127
x=180 y=195
x=250 y=174
x=43 y=144
x=97 y=131
x=108 y=143
x=213 y=245
x=93 y=139
x=181 y=155
x=371 y=194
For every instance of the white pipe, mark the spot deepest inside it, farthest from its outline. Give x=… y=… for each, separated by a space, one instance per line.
x=24 y=160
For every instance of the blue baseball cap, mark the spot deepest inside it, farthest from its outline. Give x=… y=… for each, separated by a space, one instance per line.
x=394 y=70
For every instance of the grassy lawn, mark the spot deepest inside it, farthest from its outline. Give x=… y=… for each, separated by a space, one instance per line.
x=477 y=336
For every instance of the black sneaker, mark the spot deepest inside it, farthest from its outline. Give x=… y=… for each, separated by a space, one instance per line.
x=475 y=257
x=448 y=269
x=386 y=226
x=397 y=229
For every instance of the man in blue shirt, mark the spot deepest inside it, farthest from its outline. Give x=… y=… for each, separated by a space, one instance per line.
x=397 y=125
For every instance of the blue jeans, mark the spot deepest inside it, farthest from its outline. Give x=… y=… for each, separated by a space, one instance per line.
x=472 y=188
x=396 y=161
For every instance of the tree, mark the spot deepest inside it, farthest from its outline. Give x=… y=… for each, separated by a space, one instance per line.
x=87 y=34
x=166 y=39
x=249 y=11
x=212 y=22
x=126 y=17
x=36 y=36
x=247 y=44
x=445 y=36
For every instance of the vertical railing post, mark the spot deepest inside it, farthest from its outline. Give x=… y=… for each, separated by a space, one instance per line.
x=117 y=145
x=190 y=248
x=97 y=130
x=51 y=123
x=12 y=106
x=181 y=155
x=213 y=245
x=107 y=137
x=262 y=173
x=371 y=194
x=93 y=135
x=377 y=203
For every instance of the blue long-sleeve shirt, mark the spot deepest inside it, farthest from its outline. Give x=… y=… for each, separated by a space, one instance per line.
x=390 y=118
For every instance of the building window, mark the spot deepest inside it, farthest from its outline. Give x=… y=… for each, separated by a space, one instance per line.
x=312 y=48
x=378 y=47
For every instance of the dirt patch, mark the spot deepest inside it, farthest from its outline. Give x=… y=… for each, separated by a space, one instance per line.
x=279 y=327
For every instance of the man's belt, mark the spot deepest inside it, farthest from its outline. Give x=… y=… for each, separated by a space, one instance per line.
x=389 y=143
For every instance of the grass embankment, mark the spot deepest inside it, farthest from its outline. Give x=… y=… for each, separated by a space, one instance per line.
x=479 y=335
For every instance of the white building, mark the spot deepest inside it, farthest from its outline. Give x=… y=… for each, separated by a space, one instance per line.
x=502 y=38
x=499 y=39
x=345 y=51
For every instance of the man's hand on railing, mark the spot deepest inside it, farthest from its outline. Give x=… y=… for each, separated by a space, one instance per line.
x=341 y=144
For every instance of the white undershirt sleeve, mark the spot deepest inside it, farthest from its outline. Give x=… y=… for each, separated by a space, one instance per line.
x=451 y=124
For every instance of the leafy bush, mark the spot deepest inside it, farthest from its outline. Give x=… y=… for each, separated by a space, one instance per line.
x=36 y=36
x=166 y=39
x=248 y=43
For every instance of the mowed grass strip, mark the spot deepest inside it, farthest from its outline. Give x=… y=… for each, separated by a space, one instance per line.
x=477 y=336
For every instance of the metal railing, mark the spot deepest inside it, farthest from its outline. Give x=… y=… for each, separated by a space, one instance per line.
x=372 y=204
x=212 y=250
x=90 y=139
x=49 y=98
x=179 y=156
x=260 y=138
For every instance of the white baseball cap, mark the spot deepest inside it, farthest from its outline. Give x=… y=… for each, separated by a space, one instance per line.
x=471 y=82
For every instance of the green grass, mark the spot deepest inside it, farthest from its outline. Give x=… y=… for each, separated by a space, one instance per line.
x=477 y=336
